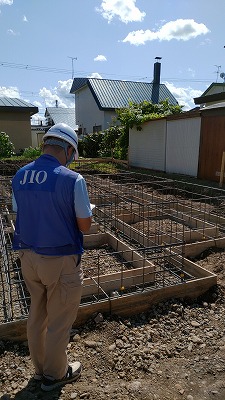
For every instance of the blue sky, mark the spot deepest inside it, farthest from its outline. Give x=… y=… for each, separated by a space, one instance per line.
x=44 y=43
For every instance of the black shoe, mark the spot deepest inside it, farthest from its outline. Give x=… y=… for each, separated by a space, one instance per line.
x=38 y=377
x=73 y=373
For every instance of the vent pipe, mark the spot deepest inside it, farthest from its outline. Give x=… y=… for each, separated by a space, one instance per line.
x=157 y=70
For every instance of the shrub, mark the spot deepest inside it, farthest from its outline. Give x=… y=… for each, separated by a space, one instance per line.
x=91 y=144
x=6 y=146
x=31 y=152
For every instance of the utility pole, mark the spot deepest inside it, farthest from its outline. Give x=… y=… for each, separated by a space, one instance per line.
x=72 y=60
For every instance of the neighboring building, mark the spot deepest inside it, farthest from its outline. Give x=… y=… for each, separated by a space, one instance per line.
x=55 y=115
x=37 y=133
x=97 y=99
x=213 y=95
x=15 y=115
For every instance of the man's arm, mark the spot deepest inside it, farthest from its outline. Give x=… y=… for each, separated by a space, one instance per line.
x=82 y=205
x=84 y=224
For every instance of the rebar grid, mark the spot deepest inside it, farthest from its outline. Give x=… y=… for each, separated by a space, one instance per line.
x=14 y=299
x=198 y=208
x=155 y=216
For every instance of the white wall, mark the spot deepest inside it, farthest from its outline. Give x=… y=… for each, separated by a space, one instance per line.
x=167 y=145
x=88 y=113
x=147 y=147
x=182 y=146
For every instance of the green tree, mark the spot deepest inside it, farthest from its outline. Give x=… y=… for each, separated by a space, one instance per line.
x=91 y=145
x=6 y=146
x=135 y=114
x=109 y=142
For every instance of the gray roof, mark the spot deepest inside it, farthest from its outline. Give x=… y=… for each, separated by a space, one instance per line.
x=111 y=94
x=10 y=104
x=220 y=88
x=214 y=106
x=61 y=114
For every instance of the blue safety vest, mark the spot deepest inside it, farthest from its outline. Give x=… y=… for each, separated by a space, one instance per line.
x=46 y=219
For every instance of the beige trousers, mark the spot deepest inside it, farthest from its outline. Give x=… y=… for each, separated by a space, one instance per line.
x=55 y=287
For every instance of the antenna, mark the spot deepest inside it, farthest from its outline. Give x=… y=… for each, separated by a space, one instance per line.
x=217 y=72
x=222 y=75
x=72 y=59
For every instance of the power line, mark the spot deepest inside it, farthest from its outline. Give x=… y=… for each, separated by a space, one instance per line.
x=37 y=68
x=33 y=67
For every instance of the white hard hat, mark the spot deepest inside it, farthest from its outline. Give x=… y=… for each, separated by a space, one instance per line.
x=64 y=132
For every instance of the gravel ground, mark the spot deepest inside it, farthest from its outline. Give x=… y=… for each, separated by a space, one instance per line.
x=175 y=351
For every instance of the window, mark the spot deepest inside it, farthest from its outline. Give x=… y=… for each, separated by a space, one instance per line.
x=97 y=128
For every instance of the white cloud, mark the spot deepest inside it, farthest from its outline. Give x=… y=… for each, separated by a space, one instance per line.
x=37 y=119
x=206 y=42
x=25 y=18
x=10 y=91
x=181 y=29
x=100 y=58
x=12 y=32
x=95 y=75
x=191 y=72
x=61 y=93
x=6 y=2
x=125 y=10
x=184 y=96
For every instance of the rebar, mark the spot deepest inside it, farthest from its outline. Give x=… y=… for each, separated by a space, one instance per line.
x=155 y=217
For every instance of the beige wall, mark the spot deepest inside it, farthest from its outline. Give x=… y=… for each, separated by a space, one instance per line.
x=36 y=137
x=17 y=126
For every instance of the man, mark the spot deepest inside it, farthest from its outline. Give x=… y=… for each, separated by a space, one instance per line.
x=53 y=212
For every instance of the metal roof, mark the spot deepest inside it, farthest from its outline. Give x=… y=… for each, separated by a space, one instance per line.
x=215 y=97
x=220 y=87
x=111 y=94
x=61 y=114
x=214 y=106
x=9 y=104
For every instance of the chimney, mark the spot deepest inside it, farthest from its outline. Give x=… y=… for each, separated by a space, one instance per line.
x=157 y=69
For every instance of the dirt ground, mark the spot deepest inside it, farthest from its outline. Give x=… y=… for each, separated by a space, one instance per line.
x=174 y=351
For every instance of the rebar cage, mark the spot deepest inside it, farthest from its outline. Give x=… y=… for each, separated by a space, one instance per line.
x=143 y=224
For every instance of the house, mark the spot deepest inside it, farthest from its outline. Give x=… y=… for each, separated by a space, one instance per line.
x=213 y=95
x=53 y=115
x=15 y=115
x=97 y=99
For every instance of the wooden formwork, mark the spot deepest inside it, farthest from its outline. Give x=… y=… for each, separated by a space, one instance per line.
x=210 y=217
x=128 y=253
x=194 y=229
x=193 y=251
x=125 y=305
x=131 y=303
